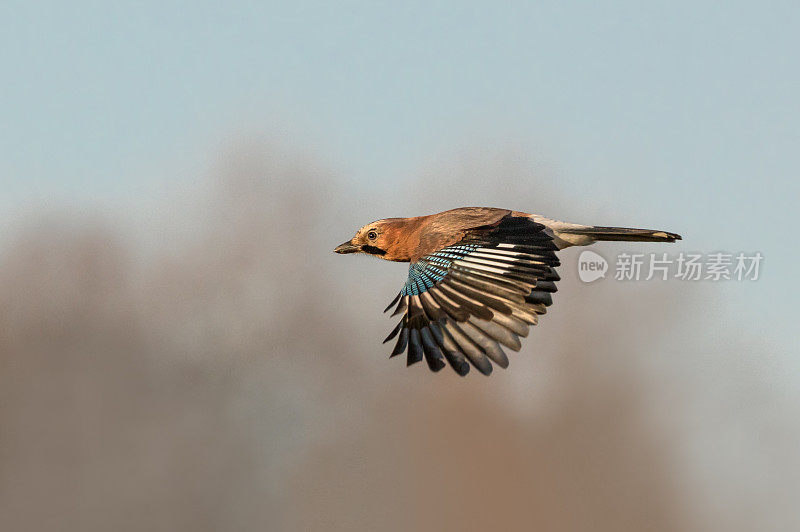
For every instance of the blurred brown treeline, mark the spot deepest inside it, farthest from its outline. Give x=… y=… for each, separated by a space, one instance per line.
x=231 y=377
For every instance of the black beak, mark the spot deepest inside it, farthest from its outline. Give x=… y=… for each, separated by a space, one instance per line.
x=347 y=247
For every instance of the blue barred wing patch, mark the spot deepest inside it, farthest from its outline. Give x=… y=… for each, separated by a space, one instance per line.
x=429 y=270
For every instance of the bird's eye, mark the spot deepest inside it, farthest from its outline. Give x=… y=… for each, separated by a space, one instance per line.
x=372 y=235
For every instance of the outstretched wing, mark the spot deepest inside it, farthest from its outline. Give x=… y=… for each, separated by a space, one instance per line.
x=463 y=302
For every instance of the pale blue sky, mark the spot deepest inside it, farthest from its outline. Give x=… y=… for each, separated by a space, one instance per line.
x=688 y=104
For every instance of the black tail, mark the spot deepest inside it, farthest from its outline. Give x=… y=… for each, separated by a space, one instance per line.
x=626 y=234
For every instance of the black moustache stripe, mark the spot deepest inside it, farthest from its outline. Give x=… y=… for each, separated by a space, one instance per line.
x=372 y=250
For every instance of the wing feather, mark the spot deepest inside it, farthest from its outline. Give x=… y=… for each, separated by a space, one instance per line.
x=486 y=343
x=498 y=332
x=471 y=350
x=414 y=347
x=433 y=355
x=451 y=350
x=402 y=341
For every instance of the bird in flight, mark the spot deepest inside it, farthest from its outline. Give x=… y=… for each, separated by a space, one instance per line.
x=478 y=278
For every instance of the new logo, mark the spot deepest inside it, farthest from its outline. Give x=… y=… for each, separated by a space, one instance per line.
x=591 y=266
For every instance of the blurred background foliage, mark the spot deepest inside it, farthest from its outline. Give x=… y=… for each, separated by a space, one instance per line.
x=229 y=375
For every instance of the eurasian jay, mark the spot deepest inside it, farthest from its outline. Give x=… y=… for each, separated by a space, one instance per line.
x=479 y=278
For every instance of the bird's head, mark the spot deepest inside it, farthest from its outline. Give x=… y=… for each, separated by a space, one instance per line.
x=383 y=239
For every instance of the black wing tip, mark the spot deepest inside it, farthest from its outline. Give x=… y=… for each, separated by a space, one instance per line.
x=402 y=341
x=461 y=368
x=436 y=364
x=394 y=331
x=485 y=369
x=394 y=302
